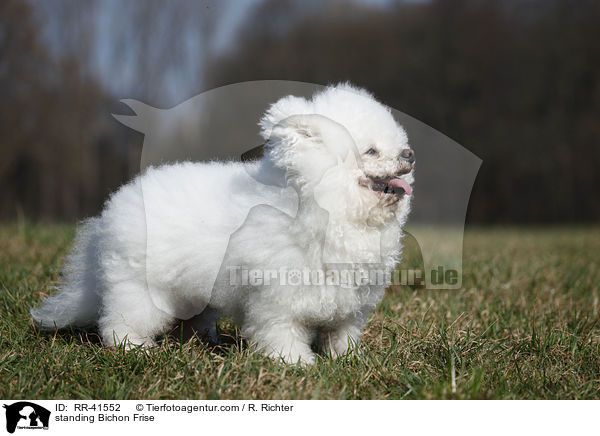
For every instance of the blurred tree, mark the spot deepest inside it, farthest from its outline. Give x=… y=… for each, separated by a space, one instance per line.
x=53 y=128
x=516 y=82
x=151 y=51
x=64 y=66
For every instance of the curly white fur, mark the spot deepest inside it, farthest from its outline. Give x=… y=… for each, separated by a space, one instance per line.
x=161 y=249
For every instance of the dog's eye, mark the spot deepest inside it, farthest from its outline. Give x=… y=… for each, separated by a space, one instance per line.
x=372 y=152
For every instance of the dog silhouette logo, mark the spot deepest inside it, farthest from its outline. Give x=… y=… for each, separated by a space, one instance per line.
x=26 y=415
x=221 y=125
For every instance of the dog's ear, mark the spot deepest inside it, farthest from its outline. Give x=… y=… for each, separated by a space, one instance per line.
x=307 y=146
x=314 y=134
x=298 y=129
x=282 y=109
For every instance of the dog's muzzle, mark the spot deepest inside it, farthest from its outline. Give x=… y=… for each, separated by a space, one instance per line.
x=394 y=184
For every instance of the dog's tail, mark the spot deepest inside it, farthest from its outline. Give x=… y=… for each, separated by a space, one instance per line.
x=77 y=302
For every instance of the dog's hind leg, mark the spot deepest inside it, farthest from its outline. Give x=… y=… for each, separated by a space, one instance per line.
x=129 y=316
x=343 y=339
x=282 y=339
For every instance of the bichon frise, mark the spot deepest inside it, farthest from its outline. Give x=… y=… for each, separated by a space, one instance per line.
x=175 y=242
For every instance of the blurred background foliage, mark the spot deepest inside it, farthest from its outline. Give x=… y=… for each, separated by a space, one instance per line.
x=517 y=82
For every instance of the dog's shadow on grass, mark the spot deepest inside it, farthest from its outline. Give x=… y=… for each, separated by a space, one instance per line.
x=229 y=342
x=228 y=339
x=83 y=336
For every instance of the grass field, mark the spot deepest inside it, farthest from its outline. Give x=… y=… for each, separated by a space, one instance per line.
x=525 y=326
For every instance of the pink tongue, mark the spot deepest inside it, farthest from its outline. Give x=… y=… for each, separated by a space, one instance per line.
x=400 y=183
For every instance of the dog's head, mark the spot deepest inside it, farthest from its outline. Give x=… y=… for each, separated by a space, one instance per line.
x=344 y=146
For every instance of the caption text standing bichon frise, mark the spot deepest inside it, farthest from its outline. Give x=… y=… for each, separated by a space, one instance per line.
x=157 y=252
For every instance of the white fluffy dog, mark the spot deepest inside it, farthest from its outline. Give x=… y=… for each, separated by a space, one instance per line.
x=163 y=248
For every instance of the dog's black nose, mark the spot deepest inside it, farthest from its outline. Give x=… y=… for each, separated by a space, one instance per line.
x=408 y=154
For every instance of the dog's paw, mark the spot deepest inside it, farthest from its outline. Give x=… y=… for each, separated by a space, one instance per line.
x=342 y=341
x=304 y=359
x=339 y=346
x=302 y=356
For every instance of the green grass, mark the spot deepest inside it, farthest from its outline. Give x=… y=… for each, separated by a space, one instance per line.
x=525 y=325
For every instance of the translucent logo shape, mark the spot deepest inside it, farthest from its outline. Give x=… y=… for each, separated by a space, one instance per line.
x=222 y=125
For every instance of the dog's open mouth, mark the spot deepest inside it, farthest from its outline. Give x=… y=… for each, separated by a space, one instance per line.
x=387 y=185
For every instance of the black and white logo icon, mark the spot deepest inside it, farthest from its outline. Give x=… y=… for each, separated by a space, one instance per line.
x=26 y=415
